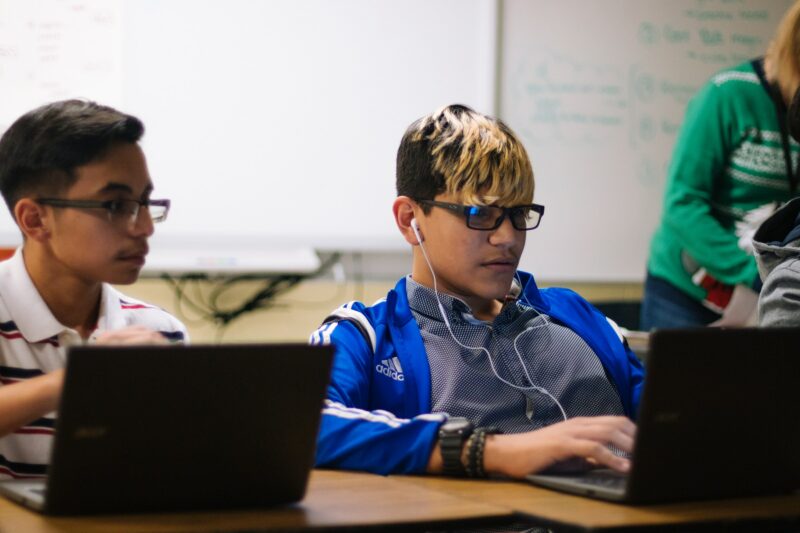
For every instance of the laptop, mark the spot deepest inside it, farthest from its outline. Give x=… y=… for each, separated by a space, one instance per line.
x=719 y=418
x=164 y=428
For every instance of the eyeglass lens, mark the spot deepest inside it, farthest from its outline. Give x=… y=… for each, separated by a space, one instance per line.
x=128 y=211
x=486 y=217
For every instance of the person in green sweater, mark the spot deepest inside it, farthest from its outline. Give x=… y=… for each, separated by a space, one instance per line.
x=733 y=165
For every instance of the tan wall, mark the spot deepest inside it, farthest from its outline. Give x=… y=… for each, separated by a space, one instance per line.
x=298 y=312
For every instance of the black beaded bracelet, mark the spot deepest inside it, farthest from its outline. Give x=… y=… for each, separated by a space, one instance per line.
x=470 y=467
x=475 y=448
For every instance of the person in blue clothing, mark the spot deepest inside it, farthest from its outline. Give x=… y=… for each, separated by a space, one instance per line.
x=467 y=367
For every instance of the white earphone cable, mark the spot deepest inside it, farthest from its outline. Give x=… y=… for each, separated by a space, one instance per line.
x=481 y=348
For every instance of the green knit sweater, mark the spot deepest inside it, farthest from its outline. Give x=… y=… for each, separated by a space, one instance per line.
x=728 y=161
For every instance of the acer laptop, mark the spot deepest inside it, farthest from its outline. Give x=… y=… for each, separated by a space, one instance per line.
x=166 y=428
x=718 y=419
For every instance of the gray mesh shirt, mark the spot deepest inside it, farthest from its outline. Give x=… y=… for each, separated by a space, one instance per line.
x=463 y=382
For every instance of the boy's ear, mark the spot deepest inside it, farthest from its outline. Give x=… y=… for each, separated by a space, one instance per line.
x=403 y=209
x=32 y=219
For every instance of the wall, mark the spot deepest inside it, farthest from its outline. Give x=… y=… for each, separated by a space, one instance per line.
x=273 y=124
x=300 y=311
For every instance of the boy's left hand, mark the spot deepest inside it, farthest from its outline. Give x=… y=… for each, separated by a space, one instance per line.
x=131 y=335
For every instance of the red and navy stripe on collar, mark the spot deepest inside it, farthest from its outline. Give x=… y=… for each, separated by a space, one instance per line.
x=9 y=330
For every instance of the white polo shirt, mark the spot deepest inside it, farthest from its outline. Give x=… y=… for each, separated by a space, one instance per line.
x=33 y=342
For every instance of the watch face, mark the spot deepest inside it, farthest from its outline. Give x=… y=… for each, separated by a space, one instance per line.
x=457 y=425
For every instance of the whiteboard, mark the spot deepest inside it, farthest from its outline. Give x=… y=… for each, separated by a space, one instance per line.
x=269 y=123
x=597 y=90
x=274 y=124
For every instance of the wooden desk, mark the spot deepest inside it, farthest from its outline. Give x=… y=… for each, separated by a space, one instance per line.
x=349 y=500
x=334 y=499
x=563 y=512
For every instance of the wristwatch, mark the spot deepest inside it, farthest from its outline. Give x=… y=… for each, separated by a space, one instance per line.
x=452 y=435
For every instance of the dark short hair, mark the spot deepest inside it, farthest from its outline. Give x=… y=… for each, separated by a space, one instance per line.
x=41 y=150
x=458 y=150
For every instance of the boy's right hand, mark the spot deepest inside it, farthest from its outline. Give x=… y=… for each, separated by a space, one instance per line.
x=28 y=400
x=587 y=438
x=131 y=335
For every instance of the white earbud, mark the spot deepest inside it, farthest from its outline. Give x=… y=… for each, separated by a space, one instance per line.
x=415 y=229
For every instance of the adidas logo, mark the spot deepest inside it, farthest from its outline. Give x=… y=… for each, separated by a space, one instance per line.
x=391 y=368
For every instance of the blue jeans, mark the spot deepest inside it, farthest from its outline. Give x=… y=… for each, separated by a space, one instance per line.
x=665 y=306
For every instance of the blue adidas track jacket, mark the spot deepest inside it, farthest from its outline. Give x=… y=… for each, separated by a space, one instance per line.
x=377 y=416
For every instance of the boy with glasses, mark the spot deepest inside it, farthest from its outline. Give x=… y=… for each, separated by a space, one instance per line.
x=466 y=367
x=76 y=182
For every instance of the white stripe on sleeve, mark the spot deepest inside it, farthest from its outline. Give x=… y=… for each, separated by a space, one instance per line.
x=350 y=314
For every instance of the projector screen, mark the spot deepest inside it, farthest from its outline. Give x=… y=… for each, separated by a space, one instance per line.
x=270 y=125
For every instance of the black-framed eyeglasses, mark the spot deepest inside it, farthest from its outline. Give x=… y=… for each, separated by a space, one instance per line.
x=489 y=217
x=119 y=211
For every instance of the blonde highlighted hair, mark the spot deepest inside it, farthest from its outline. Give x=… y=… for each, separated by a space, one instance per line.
x=473 y=157
x=782 y=60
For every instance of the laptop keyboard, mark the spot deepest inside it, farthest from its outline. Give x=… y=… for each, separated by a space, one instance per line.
x=607 y=479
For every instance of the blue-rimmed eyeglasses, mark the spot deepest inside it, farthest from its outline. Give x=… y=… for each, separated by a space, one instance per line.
x=120 y=212
x=489 y=217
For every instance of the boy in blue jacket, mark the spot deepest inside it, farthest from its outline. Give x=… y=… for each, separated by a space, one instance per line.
x=466 y=367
